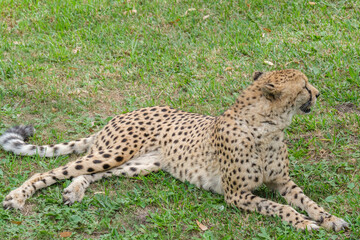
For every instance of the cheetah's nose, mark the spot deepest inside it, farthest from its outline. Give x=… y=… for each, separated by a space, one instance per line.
x=317 y=95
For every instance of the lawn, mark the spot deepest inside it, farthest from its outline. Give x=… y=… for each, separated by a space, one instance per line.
x=68 y=66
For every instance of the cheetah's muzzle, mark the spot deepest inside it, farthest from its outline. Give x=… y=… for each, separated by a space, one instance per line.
x=306 y=108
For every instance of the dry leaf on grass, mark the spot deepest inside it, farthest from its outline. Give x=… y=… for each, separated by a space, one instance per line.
x=312 y=3
x=133 y=11
x=206 y=16
x=76 y=50
x=268 y=63
x=174 y=22
x=16 y=222
x=99 y=192
x=65 y=234
x=189 y=10
x=228 y=69
x=267 y=29
x=201 y=226
x=295 y=61
x=352 y=161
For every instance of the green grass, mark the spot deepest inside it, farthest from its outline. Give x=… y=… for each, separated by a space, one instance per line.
x=67 y=66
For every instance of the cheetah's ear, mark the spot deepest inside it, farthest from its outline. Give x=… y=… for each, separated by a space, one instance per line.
x=256 y=75
x=271 y=91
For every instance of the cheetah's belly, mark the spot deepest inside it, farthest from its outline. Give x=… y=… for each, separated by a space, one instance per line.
x=211 y=180
x=208 y=178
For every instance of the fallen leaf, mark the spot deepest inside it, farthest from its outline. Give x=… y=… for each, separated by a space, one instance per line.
x=228 y=69
x=352 y=161
x=201 y=226
x=65 y=234
x=16 y=43
x=206 y=16
x=247 y=4
x=325 y=139
x=174 y=22
x=99 y=192
x=189 y=10
x=267 y=29
x=133 y=11
x=54 y=109
x=269 y=63
x=76 y=50
x=296 y=62
x=312 y=3
x=16 y=222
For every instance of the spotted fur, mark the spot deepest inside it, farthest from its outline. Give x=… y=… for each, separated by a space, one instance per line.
x=14 y=138
x=231 y=154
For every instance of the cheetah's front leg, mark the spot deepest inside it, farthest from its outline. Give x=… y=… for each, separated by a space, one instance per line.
x=247 y=201
x=295 y=196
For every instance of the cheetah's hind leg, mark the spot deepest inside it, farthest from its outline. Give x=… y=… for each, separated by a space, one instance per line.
x=142 y=165
x=93 y=163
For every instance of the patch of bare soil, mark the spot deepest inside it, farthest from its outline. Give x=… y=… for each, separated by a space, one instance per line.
x=141 y=214
x=94 y=235
x=347 y=108
x=27 y=210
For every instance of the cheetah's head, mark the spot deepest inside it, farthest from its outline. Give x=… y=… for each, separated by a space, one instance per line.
x=288 y=88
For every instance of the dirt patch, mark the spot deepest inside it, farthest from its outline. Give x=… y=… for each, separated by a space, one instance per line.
x=27 y=210
x=105 y=101
x=141 y=215
x=347 y=108
x=94 y=235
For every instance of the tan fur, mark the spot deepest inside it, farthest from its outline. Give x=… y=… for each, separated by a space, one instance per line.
x=231 y=154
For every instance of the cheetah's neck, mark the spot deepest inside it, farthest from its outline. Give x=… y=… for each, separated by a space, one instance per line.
x=258 y=111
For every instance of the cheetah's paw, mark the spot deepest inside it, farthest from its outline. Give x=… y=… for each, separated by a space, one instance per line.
x=308 y=225
x=15 y=199
x=73 y=193
x=334 y=223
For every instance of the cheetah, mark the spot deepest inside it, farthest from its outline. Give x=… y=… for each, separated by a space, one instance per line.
x=231 y=154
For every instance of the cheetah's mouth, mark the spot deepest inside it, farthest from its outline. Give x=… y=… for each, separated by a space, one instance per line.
x=306 y=108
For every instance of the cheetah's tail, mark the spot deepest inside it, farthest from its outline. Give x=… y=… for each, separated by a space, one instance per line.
x=14 y=138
